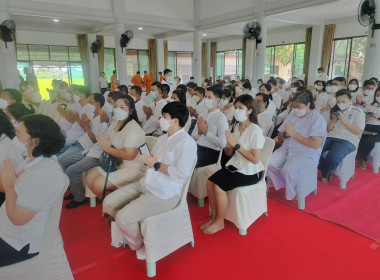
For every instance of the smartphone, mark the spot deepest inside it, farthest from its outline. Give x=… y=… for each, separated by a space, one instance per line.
x=144 y=150
x=231 y=168
x=336 y=113
x=370 y=113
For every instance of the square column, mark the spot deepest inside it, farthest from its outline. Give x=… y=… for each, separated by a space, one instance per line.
x=197 y=57
x=160 y=57
x=93 y=65
x=120 y=56
x=315 y=53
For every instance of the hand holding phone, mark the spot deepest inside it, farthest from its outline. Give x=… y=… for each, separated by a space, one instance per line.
x=144 y=150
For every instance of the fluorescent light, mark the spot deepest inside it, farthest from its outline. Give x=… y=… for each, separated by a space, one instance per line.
x=140 y=28
x=56 y=20
x=204 y=34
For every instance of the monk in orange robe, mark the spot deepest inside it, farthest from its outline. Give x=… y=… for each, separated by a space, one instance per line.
x=161 y=77
x=113 y=78
x=137 y=80
x=147 y=82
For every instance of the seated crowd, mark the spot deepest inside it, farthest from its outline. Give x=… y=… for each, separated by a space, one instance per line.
x=97 y=140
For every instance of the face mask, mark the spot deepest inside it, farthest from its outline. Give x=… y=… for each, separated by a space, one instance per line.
x=258 y=85
x=153 y=95
x=91 y=108
x=259 y=106
x=3 y=104
x=352 y=87
x=318 y=88
x=120 y=114
x=315 y=86
x=76 y=98
x=334 y=89
x=343 y=106
x=299 y=112
x=134 y=98
x=164 y=124
x=328 y=89
x=378 y=99
x=223 y=102
x=19 y=147
x=293 y=90
x=195 y=98
x=369 y=92
x=240 y=115
x=209 y=103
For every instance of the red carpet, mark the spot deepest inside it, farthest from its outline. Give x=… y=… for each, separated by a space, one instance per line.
x=289 y=244
x=357 y=207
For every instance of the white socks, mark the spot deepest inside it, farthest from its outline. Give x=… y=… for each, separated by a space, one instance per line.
x=140 y=253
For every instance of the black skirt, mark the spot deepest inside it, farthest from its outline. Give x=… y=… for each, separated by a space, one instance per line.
x=227 y=180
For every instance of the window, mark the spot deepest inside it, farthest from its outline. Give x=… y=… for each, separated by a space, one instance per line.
x=109 y=63
x=50 y=62
x=347 y=58
x=181 y=65
x=285 y=61
x=137 y=60
x=172 y=62
x=229 y=63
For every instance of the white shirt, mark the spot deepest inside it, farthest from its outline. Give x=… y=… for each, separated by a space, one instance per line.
x=265 y=121
x=322 y=77
x=271 y=108
x=97 y=127
x=64 y=124
x=38 y=190
x=7 y=150
x=229 y=113
x=140 y=112
x=153 y=123
x=277 y=100
x=376 y=110
x=284 y=94
x=216 y=134
x=354 y=116
x=190 y=101
x=76 y=131
x=95 y=151
x=103 y=82
x=201 y=108
x=321 y=100
x=251 y=138
x=179 y=152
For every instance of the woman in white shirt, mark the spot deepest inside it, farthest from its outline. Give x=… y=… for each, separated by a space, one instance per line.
x=353 y=87
x=245 y=142
x=368 y=141
x=32 y=193
x=227 y=106
x=123 y=138
x=264 y=119
x=271 y=108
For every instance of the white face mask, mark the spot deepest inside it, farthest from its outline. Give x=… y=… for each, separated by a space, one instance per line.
x=223 y=102
x=19 y=147
x=91 y=108
x=164 y=124
x=195 y=98
x=315 y=86
x=369 y=92
x=120 y=115
x=299 y=112
x=76 y=98
x=378 y=99
x=352 y=87
x=328 y=89
x=240 y=115
x=343 y=106
x=334 y=89
x=293 y=90
x=3 y=104
x=318 y=88
x=209 y=103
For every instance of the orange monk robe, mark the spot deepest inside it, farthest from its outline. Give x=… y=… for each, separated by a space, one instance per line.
x=148 y=82
x=113 y=78
x=161 y=78
x=137 y=80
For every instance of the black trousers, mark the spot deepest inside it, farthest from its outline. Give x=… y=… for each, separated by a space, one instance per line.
x=2 y=198
x=206 y=156
x=367 y=142
x=9 y=255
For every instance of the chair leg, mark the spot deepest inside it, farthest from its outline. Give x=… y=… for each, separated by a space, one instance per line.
x=376 y=169
x=343 y=185
x=151 y=269
x=192 y=243
x=92 y=201
x=201 y=202
x=301 y=203
x=242 y=231
x=315 y=192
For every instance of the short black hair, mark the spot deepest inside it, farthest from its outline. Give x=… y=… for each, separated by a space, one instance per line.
x=201 y=90
x=191 y=85
x=267 y=86
x=160 y=73
x=192 y=78
x=344 y=92
x=19 y=110
x=260 y=80
x=216 y=91
x=123 y=88
x=159 y=86
x=247 y=85
x=321 y=69
x=302 y=82
x=83 y=90
x=329 y=82
x=182 y=87
x=14 y=94
x=165 y=87
x=227 y=93
x=305 y=97
x=137 y=89
x=114 y=95
x=181 y=95
x=6 y=127
x=265 y=97
x=272 y=82
x=166 y=71
x=177 y=110
x=51 y=138
x=296 y=84
x=138 y=72
x=369 y=83
x=281 y=80
x=341 y=80
x=375 y=79
x=99 y=98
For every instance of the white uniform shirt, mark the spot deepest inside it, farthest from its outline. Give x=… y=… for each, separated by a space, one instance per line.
x=354 y=116
x=322 y=77
x=140 y=112
x=103 y=82
x=7 y=150
x=76 y=130
x=179 y=152
x=376 y=110
x=321 y=100
x=201 y=108
x=271 y=108
x=64 y=124
x=153 y=123
x=37 y=189
x=265 y=121
x=251 y=138
x=190 y=101
x=216 y=134
x=97 y=127
x=229 y=113
x=277 y=99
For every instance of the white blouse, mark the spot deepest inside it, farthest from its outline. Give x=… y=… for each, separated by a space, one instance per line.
x=376 y=110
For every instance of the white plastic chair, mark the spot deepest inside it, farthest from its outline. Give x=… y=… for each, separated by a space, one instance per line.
x=166 y=232
x=247 y=204
x=346 y=169
x=51 y=263
x=374 y=158
x=198 y=180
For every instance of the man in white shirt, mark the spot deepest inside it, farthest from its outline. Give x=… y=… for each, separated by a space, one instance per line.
x=153 y=111
x=103 y=83
x=167 y=80
x=135 y=93
x=264 y=119
x=169 y=166
x=190 y=102
x=322 y=76
x=210 y=129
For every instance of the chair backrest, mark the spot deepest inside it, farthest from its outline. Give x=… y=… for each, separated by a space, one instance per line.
x=267 y=151
x=187 y=183
x=150 y=141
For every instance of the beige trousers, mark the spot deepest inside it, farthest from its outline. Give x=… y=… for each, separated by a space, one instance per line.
x=129 y=205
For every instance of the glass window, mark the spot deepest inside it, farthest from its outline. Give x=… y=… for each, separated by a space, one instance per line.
x=298 y=60
x=340 y=57
x=20 y=67
x=219 y=65
x=74 y=54
x=143 y=57
x=109 y=63
x=269 y=57
x=283 y=61
x=356 y=66
x=22 y=52
x=240 y=63
x=184 y=66
x=230 y=63
x=58 y=53
x=39 y=52
x=76 y=73
x=132 y=64
x=172 y=62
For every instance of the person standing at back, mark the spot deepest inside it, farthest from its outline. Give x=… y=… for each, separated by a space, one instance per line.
x=103 y=83
x=137 y=80
x=113 y=78
x=147 y=80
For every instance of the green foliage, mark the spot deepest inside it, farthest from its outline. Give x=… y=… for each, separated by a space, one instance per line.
x=284 y=54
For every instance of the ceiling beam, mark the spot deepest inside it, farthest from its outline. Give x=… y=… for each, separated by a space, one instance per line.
x=294 y=19
x=169 y=34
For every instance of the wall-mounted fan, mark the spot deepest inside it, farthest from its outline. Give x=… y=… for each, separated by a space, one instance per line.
x=366 y=14
x=96 y=46
x=125 y=39
x=252 y=31
x=7 y=31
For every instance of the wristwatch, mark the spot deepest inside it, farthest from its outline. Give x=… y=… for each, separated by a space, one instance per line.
x=237 y=147
x=157 y=166
x=205 y=133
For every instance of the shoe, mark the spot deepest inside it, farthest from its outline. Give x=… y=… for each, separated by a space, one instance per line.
x=68 y=197
x=74 y=204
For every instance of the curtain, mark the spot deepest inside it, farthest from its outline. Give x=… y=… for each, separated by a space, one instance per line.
x=83 y=52
x=306 y=61
x=243 y=53
x=101 y=54
x=213 y=58
x=165 y=54
x=327 y=44
x=204 y=71
x=152 y=58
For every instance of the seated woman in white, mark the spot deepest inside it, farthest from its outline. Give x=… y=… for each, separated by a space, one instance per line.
x=32 y=192
x=123 y=138
x=180 y=96
x=227 y=106
x=301 y=133
x=264 y=119
x=245 y=142
x=321 y=97
x=353 y=87
x=271 y=108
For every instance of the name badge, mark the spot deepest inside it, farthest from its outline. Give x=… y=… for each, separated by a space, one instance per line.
x=349 y=116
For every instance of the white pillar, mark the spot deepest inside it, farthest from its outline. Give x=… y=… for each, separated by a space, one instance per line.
x=249 y=60
x=160 y=57
x=120 y=56
x=9 y=75
x=197 y=57
x=93 y=65
x=259 y=61
x=315 y=53
x=372 y=54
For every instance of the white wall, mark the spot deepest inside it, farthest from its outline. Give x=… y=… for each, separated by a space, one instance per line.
x=350 y=29
x=228 y=45
x=104 y=4
x=180 y=46
x=290 y=36
x=46 y=38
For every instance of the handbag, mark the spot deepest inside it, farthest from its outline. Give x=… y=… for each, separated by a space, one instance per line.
x=109 y=164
